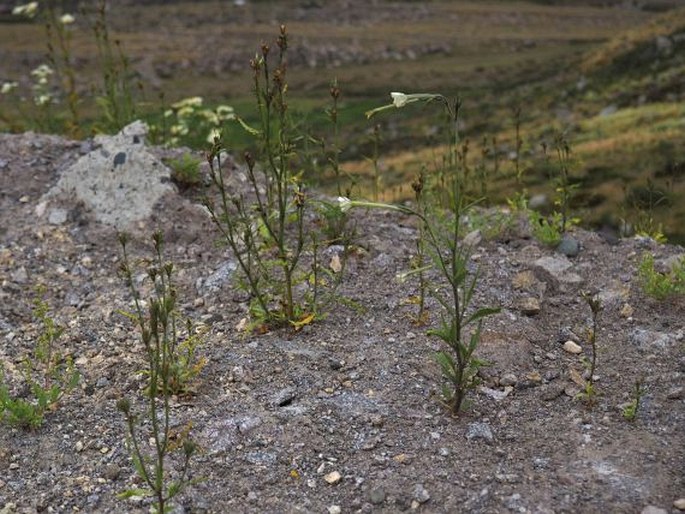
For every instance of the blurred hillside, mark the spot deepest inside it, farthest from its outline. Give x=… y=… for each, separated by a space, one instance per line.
x=606 y=74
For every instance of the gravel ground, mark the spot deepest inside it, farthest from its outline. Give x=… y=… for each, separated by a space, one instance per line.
x=341 y=416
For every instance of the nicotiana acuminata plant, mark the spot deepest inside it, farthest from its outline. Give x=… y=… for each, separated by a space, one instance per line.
x=441 y=221
x=265 y=226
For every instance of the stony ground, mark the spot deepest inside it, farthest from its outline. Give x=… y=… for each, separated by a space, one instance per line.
x=341 y=416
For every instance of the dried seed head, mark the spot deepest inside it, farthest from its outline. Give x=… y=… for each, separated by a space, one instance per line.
x=249 y=160
x=123 y=239
x=283 y=39
x=417 y=184
x=335 y=91
x=265 y=49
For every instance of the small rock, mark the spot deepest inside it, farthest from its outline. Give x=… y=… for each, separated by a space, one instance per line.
x=496 y=394
x=677 y=393
x=479 y=430
x=376 y=496
x=111 y=471
x=284 y=397
x=650 y=339
x=534 y=377
x=20 y=275
x=508 y=379
x=557 y=268
x=565 y=333
x=58 y=216
x=572 y=390
x=569 y=246
x=334 y=509
x=420 y=494
x=651 y=509
x=571 y=347
x=473 y=239
x=626 y=311
x=78 y=446
x=221 y=276
x=333 y=477
x=529 y=306
x=679 y=504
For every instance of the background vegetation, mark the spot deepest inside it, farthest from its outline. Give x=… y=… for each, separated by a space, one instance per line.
x=607 y=75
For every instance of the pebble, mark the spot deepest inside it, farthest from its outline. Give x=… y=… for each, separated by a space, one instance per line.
x=571 y=347
x=558 y=268
x=627 y=311
x=376 y=496
x=284 y=397
x=333 y=477
x=569 y=246
x=111 y=472
x=78 y=446
x=58 y=216
x=679 y=504
x=651 y=509
x=479 y=430
x=529 y=306
x=20 y=275
x=677 y=393
x=495 y=394
x=508 y=379
x=334 y=509
x=420 y=494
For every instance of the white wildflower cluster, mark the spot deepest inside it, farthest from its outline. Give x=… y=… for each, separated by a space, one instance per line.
x=41 y=90
x=29 y=10
x=67 y=19
x=190 y=114
x=8 y=87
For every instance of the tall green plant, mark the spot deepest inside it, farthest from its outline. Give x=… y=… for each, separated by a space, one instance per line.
x=461 y=324
x=169 y=367
x=265 y=228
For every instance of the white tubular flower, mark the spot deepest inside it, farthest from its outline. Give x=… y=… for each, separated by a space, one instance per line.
x=215 y=133
x=193 y=101
x=399 y=99
x=225 y=112
x=7 y=87
x=67 y=19
x=344 y=203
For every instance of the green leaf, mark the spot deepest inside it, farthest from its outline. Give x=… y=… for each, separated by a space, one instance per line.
x=447 y=364
x=482 y=313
